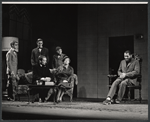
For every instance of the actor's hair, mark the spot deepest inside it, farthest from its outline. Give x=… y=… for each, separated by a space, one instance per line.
x=39 y=39
x=65 y=57
x=128 y=51
x=13 y=42
x=40 y=58
x=58 y=47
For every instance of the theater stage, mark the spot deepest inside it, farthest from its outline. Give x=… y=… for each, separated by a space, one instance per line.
x=77 y=110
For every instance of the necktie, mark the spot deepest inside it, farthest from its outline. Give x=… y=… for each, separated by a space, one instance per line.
x=15 y=52
x=40 y=49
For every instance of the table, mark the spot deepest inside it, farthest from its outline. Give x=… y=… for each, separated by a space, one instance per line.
x=34 y=88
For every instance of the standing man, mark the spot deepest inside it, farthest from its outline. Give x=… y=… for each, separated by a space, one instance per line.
x=11 y=71
x=57 y=58
x=39 y=50
x=128 y=71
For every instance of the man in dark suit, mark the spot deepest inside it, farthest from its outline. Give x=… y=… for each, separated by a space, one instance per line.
x=41 y=74
x=39 y=50
x=128 y=71
x=11 y=71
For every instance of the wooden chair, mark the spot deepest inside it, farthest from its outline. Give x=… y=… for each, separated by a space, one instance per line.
x=22 y=88
x=139 y=80
x=138 y=86
x=69 y=91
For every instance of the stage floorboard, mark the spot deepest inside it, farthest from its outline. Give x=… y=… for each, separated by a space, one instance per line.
x=85 y=110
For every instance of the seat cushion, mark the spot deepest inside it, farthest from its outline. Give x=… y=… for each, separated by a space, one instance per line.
x=66 y=85
x=22 y=89
x=134 y=86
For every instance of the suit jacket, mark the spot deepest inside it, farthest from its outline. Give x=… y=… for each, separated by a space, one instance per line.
x=40 y=71
x=11 y=61
x=64 y=73
x=35 y=54
x=57 y=61
x=132 y=70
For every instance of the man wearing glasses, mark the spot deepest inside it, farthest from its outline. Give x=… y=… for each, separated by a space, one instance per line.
x=11 y=71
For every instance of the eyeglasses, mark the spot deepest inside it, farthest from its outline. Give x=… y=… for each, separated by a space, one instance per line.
x=44 y=60
x=15 y=44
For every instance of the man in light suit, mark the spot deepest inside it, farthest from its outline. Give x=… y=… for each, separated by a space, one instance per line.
x=39 y=50
x=11 y=71
x=128 y=71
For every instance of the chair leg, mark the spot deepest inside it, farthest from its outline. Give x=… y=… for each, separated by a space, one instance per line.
x=28 y=94
x=54 y=97
x=18 y=97
x=129 y=95
x=71 y=95
x=71 y=98
x=140 y=98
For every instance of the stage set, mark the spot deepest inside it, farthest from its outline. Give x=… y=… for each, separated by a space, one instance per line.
x=94 y=37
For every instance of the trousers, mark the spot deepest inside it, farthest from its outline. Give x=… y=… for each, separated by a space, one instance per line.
x=12 y=87
x=122 y=83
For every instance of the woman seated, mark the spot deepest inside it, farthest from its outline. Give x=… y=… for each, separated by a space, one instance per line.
x=64 y=77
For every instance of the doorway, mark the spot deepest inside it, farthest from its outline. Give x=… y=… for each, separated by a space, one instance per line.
x=117 y=47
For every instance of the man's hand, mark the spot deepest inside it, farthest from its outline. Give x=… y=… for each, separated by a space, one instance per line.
x=12 y=74
x=47 y=79
x=17 y=77
x=123 y=75
x=60 y=68
x=52 y=70
x=7 y=84
x=42 y=79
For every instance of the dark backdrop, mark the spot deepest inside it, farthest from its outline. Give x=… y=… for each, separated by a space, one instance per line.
x=55 y=24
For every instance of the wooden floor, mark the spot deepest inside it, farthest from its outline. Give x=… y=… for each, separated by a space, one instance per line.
x=80 y=109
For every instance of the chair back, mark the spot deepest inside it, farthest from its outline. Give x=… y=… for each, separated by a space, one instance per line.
x=29 y=76
x=138 y=58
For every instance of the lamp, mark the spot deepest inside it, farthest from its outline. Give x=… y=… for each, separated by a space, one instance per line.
x=6 y=42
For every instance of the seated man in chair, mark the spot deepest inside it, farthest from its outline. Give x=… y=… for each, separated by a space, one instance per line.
x=128 y=71
x=41 y=74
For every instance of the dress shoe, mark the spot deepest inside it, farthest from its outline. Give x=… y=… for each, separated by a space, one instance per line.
x=117 y=101
x=40 y=101
x=107 y=102
x=45 y=101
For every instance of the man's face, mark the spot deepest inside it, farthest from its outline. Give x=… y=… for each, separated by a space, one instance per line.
x=40 y=44
x=59 y=51
x=44 y=61
x=66 y=61
x=127 y=57
x=15 y=46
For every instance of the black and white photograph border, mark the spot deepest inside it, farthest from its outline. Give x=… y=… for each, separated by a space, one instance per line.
x=96 y=36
